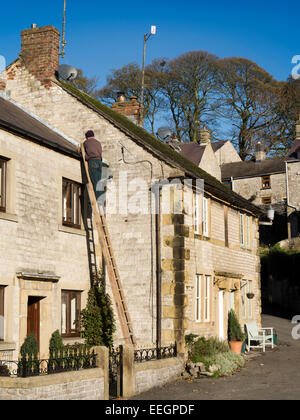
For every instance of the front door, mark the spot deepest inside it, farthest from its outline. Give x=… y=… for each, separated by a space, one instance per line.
x=221 y=315
x=33 y=317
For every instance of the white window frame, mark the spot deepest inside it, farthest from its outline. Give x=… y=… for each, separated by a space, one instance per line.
x=196 y=213
x=205 y=218
x=198 y=297
x=248 y=232
x=206 y=300
x=242 y=230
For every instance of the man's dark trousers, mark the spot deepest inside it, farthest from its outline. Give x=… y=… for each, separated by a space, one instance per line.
x=95 y=170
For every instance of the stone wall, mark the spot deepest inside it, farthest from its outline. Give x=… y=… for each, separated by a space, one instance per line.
x=61 y=386
x=87 y=384
x=156 y=373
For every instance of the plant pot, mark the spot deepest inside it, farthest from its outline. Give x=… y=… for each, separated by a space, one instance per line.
x=236 y=346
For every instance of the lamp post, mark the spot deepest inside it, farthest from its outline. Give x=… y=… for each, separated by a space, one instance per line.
x=146 y=38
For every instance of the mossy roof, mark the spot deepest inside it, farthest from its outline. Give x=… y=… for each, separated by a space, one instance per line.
x=161 y=150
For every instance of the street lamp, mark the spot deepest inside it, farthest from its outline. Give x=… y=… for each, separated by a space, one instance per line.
x=146 y=37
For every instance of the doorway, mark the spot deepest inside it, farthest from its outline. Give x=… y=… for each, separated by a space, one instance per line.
x=221 y=315
x=33 y=317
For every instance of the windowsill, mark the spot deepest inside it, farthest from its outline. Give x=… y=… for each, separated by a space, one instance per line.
x=73 y=340
x=5 y=346
x=71 y=230
x=9 y=217
x=201 y=237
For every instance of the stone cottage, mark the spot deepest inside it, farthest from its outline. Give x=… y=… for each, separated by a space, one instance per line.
x=183 y=262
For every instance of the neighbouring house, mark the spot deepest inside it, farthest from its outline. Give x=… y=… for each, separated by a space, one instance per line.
x=270 y=182
x=183 y=264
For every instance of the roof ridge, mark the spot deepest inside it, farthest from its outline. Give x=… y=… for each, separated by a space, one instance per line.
x=158 y=147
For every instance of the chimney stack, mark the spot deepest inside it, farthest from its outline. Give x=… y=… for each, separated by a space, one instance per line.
x=204 y=136
x=131 y=109
x=40 y=52
x=260 y=153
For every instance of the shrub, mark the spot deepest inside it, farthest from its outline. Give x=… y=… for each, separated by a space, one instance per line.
x=208 y=347
x=235 y=332
x=30 y=347
x=55 y=344
x=97 y=319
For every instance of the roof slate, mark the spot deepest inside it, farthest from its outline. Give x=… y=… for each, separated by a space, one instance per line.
x=15 y=119
x=249 y=169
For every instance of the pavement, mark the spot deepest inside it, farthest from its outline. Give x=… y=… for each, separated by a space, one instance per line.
x=274 y=375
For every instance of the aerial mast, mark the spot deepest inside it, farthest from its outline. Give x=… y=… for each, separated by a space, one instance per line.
x=63 y=41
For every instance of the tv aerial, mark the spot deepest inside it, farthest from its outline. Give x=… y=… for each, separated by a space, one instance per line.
x=67 y=73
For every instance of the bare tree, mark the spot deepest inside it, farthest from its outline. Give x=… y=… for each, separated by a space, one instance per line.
x=248 y=96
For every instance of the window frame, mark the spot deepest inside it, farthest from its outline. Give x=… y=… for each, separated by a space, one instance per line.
x=196 y=216
x=248 y=231
x=70 y=212
x=205 y=217
x=2 y=291
x=264 y=198
x=242 y=230
x=75 y=332
x=266 y=179
x=3 y=186
x=206 y=299
x=198 y=298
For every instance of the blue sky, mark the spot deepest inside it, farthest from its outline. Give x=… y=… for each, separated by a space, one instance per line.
x=103 y=35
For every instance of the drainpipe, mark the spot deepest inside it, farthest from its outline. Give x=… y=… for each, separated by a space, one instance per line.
x=288 y=200
x=158 y=263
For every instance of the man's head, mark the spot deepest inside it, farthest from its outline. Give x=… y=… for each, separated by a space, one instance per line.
x=89 y=134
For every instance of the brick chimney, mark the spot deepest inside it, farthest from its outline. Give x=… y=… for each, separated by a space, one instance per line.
x=131 y=109
x=40 y=52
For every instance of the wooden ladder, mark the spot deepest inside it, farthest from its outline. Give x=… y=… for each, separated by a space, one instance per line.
x=111 y=265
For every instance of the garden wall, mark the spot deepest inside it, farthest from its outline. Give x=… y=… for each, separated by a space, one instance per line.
x=139 y=377
x=86 y=384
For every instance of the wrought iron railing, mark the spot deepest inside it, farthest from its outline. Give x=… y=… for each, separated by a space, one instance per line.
x=57 y=363
x=145 y=355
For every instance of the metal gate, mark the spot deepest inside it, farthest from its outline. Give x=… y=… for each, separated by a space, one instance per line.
x=115 y=372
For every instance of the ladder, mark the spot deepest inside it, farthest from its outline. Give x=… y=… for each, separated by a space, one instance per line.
x=111 y=265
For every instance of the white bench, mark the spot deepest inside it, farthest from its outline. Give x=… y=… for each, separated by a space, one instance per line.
x=263 y=336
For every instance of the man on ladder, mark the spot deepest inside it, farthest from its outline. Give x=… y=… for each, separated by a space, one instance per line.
x=93 y=156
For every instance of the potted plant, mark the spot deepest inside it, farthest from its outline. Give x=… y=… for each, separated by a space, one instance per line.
x=235 y=333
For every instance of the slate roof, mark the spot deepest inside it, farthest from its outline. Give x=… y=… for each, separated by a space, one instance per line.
x=294 y=149
x=161 y=150
x=16 y=120
x=193 y=151
x=249 y=169
x=218 y=144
